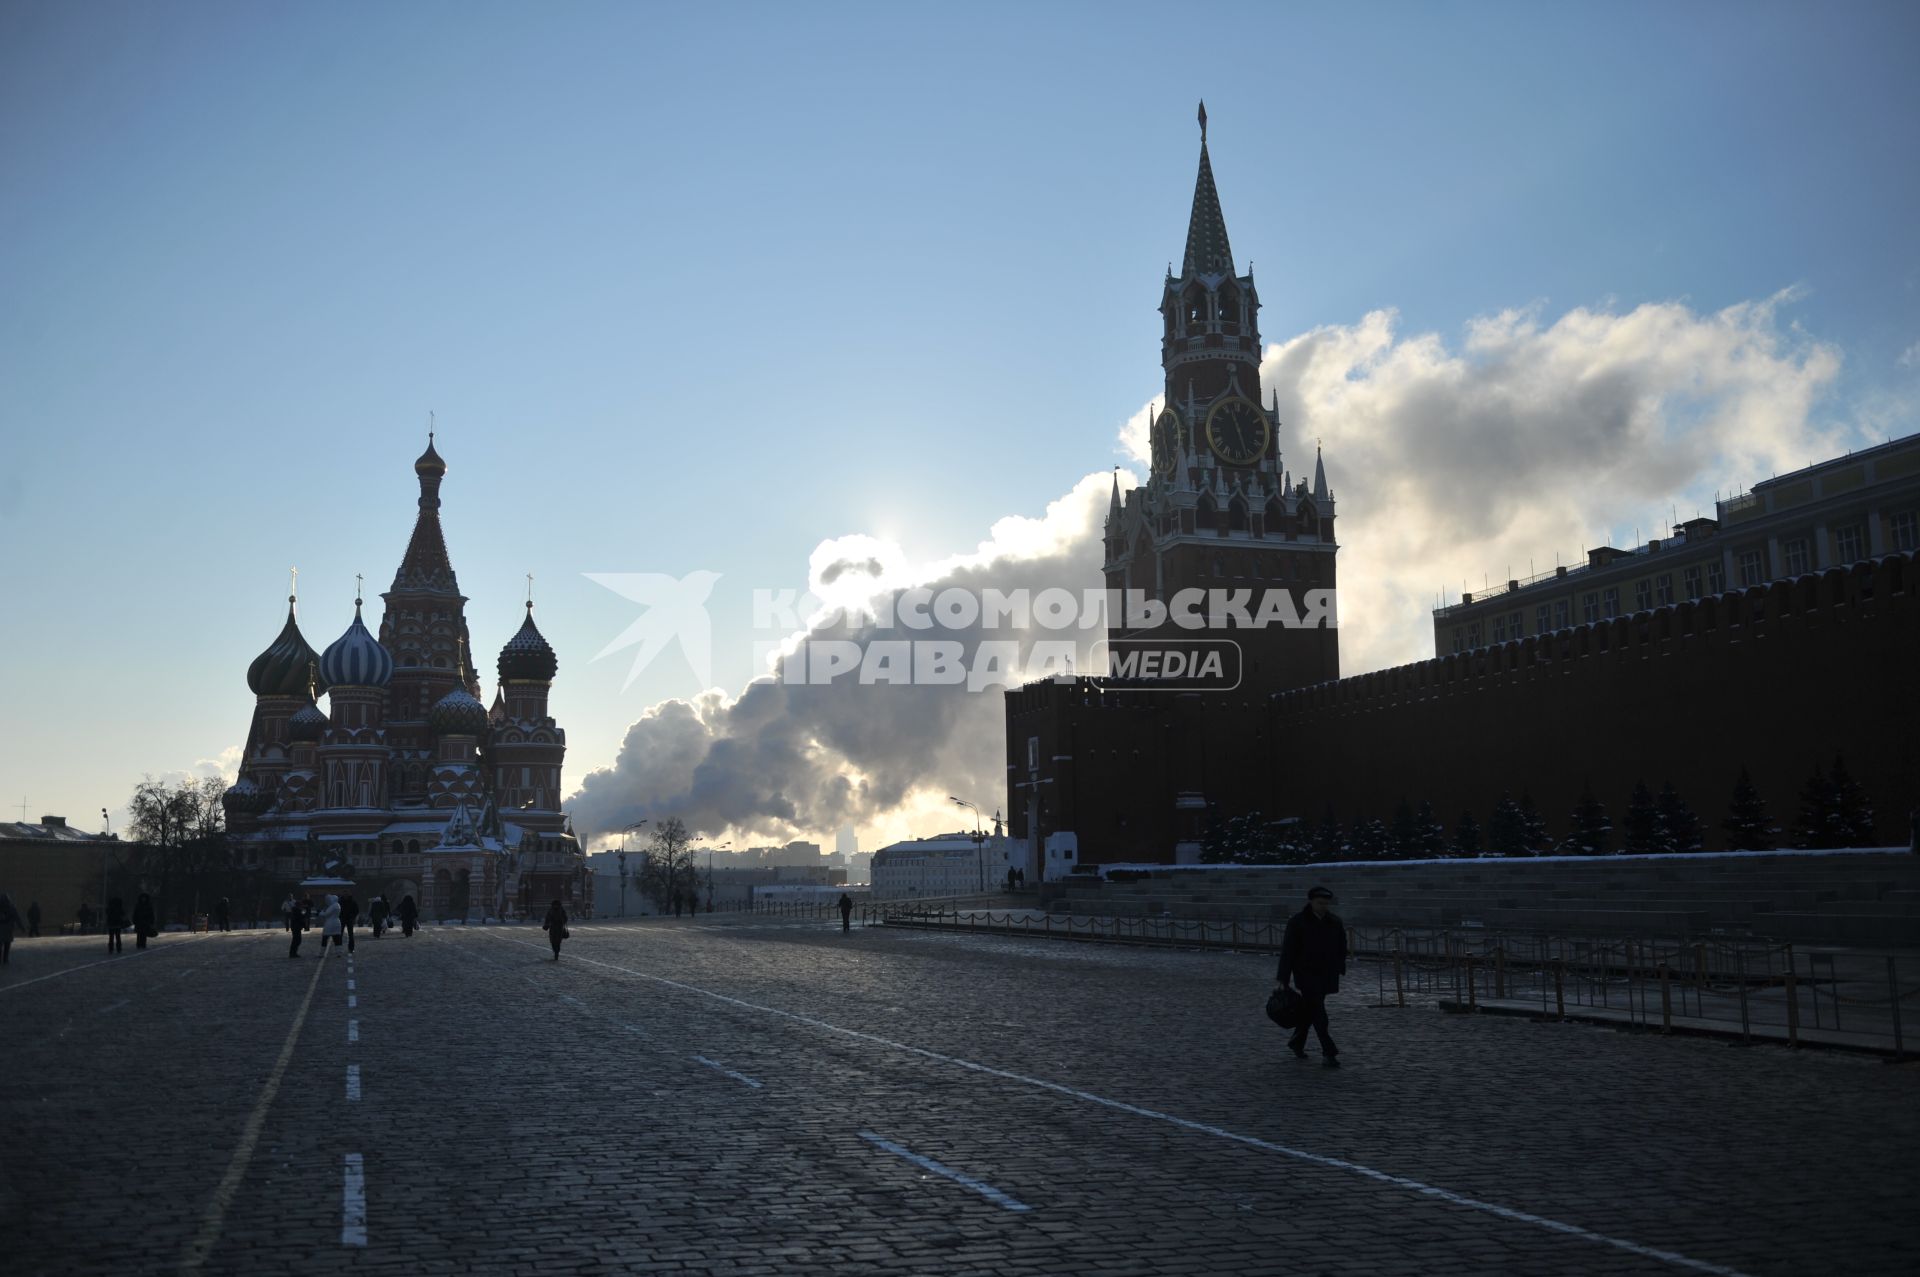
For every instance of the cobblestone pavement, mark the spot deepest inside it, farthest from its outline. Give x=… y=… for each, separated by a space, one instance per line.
x=742 y=1097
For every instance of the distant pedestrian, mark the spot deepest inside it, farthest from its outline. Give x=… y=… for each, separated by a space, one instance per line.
x=555 y=926
x=9 y=921
x=296 y=923
x=409 y=915
x=1313 y=952
x=143 y=924
x=377 y=915
x=846 y=913
x=33 y=919
x=222 y=914
x=329 y=924
x=116 y=922
x=85 y=913
x=287 y=914
x=349 y=916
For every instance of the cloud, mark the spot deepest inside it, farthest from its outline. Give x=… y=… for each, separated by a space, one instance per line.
x=778 y=760
x=1534 y=438
x=1525 y=437
x=1910 y=357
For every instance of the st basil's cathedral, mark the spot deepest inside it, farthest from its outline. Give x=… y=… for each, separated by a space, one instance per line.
x=408 y=783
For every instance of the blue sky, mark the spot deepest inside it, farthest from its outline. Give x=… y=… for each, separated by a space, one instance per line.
x=700 y=287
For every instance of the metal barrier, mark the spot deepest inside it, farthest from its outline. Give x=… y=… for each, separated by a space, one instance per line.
x=1770 y=991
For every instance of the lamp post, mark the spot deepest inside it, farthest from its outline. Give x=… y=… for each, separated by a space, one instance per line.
x=979 y=842
x=106 y=828
x=1033 y=819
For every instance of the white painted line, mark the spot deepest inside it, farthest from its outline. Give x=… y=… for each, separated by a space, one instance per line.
x=352 y=1002
x=987 y=1191
x=353 y=1030
x=1318 y=1159
x=350 y=984
x=738 y=1077
x=353 y=1081
x=353 y=1203
x=115 y=1007
x=635 y=1029
x=118 y=957
x=568 y=997
x=215 y=1215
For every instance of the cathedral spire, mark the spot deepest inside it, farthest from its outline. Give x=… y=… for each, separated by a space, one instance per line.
x=1208 y=252
x=425 y=566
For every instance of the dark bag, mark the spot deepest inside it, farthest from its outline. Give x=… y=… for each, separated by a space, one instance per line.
x=565 y=934
x=1286 y=1008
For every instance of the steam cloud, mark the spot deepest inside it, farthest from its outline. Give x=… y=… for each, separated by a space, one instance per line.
x=1532 y=437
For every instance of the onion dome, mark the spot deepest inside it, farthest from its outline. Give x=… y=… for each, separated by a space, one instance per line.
x=356 y=659
x=284 y=669
x=458 y=714
x=307 y=724
x=245 y=797
x=527 y=657
x=430 y=462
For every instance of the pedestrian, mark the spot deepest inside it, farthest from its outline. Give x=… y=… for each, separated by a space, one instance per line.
x=9 y=921
x=143 y=924
x=349 y=915
x=222 y=913
x=33 y=919
x=330 y=924
x=377 y=915
x=296 y=923
x=1313 y=952
x=287 y=916
x=846 y=913
x=116 y=923
x=409 y=915
x=555 y=926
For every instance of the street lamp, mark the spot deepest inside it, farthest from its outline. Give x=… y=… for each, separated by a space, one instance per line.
x=979 y=841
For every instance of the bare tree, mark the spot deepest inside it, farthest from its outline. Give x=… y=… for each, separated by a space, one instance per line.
x=669 y=870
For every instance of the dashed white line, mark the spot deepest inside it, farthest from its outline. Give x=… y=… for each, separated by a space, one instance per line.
x=353 y=1081
x=353 y=1203
x=987 y=1191
x=1252 y=1141
x=350 y=984
x=353 y=1030
x=738 y=1077
x=115 y=1007
x=353 y=1002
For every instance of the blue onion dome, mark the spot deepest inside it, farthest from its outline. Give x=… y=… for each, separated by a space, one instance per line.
x=458 y=714
x=285 y=668
x=307 y=723
x=246 y=797
x=356 y=659
x=527 y=657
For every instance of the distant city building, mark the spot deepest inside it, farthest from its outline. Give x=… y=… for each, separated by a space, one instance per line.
x=860 y=867
x=947 y=865
x=1833 y=514
x=408 y=781
x=55 y=865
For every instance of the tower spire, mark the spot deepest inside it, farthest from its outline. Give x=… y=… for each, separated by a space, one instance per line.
x=1208 y=252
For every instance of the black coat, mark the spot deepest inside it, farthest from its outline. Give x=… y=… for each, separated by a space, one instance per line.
x=143 y=917
x=116 y=915
x=1314 y=952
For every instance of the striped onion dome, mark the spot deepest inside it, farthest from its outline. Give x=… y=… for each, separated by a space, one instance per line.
x=307 y=724
x=527 y=656
x=458 y=714
x=356 y=659
x=285 y=667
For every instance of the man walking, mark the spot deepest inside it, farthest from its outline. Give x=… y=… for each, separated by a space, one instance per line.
x=33 y=919
x=349 y=916
x=846 y=913
x=1313 y=952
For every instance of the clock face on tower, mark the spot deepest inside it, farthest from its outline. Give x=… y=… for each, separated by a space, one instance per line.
x=1237 y=431
x=1166 y=442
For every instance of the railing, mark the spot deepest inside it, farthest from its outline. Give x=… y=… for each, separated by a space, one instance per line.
x=1755 y=988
